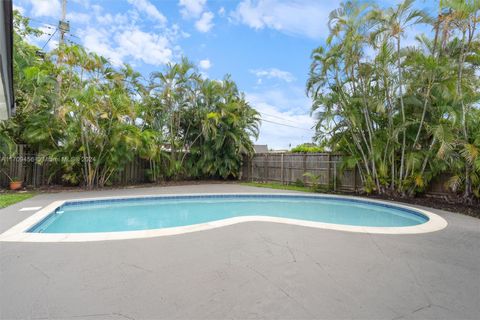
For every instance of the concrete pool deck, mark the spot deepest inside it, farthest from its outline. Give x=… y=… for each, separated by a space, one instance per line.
x=246 y=270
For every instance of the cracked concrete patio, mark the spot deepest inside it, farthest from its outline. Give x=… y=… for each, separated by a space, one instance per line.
x=246 y=270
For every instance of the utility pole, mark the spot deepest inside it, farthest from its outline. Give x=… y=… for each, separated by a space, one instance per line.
x=63 y=27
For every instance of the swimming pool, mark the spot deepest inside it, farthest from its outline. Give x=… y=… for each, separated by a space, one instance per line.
x=167 y=212
x=124 y=218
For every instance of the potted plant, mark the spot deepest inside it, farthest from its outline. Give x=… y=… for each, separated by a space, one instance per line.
x=15 y=183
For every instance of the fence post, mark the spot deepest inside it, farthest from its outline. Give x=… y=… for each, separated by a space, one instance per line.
x=304 y=168
x=265 y=167
x=21 y=167
x=329 y=167
x=335 y=176
x=355 y=178
x=281 y=168
x=251 y=168
x=34 y=174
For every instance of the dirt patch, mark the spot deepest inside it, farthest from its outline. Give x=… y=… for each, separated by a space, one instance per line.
x=437 y=203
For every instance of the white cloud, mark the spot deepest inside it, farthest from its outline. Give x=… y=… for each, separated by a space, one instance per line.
x=147 y=8
x=293 y=124
x=204 y=24
x=78 y=17
x=84 y=3
x=205 y=64
x=292 y=100
x=45 y=8
x=295 y=17
x=129 y=45
x=221 y=12
x=97 y=9
x=98 y=41
x=273 y=73
x=122 y=37
x=150 y=48
x=175 y=32
x=196 y=9
x=191 y=8
x=114 y=22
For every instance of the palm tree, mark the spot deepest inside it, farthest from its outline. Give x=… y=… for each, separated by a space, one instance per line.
x=173 y=91
x=465 y=16
x=397 y=107
x=392 y=24
x=222 y=130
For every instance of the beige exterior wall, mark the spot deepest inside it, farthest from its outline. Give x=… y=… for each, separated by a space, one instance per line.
x=6 y=95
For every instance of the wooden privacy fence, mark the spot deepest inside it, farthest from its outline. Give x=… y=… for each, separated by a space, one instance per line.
x=291 y=168
x=25 y=166
x=286 y=168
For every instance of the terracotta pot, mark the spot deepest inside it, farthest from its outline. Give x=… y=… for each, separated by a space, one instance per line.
x=15 y=185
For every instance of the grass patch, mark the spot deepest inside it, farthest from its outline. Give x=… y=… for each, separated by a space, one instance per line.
x=273 y=185
x=7 y=199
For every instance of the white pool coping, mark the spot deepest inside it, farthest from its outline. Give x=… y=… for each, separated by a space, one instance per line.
x=18 y=233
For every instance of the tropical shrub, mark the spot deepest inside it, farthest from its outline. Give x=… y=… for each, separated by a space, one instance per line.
x=89 y=118
x=401 y=113
x=307 y=148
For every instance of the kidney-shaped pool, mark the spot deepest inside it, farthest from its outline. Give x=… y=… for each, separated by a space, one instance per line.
x=186 y=213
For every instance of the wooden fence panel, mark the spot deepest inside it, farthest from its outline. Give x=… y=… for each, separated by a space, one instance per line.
x=290 y=168
x=25 y=165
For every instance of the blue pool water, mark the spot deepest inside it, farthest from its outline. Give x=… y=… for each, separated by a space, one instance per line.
x=165 y=212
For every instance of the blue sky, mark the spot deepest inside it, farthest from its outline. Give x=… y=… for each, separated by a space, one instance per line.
x=264 y=44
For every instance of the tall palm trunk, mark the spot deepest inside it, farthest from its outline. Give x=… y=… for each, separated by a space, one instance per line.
x=424 y=111
x=402 y=106
x=461 y=60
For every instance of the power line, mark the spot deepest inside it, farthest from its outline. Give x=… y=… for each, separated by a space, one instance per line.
x=277 y=117
x=46 y=26
x=51 y=36
x=73 y=42
x=40 y=21
x=51 y=26
x=287 y=125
